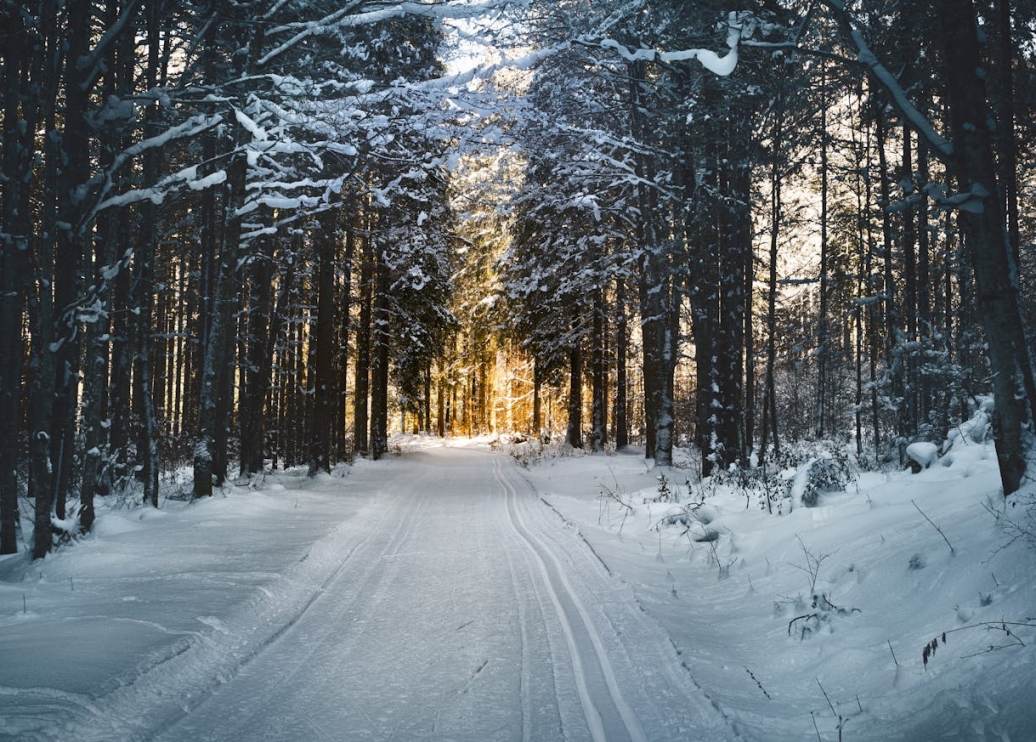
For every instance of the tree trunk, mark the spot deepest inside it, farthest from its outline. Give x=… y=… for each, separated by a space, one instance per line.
x=73 y=174
x=257 y=365
x=380 y=367
x=822 y=320
x=215 y=365
x=40 y=300
x=361 y=387
x=324 y=350
x=345 y=327
x=991 y=258
x=622 y=433
x=894 y=357
x=908 y=417
x=15 y=268
x=574 y=432
x=769 y=382
x=1006 y=129
x=537 y=404
x=599 y=375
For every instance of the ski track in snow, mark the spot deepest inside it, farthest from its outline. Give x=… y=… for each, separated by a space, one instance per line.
x=647 y=683
x=579 y=630
x=457 y=606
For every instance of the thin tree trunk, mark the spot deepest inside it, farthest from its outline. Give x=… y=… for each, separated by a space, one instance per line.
x=1006 y=129
x=380 y=367
x=908 y=417
x=537 y=410
x=344 y=329
x=822 y=320
x=893 y=357
x=323 y=347
x=599 y=391
x=769 y=383
x=622 y=433
x=361 y=387
x=574 y=431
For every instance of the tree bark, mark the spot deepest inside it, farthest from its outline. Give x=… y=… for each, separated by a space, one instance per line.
x=324 y=350
x=216 y=361
x=18 y=123
x=981 y=215
x=574 y=431
x=361 y=387
x=599 y=375
x=769 y=382
x=621 y=418
x=258 y=360
x=380 y=367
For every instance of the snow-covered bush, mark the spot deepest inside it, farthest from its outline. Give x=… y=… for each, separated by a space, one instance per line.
x=797 y=475
x=766 y=485
x=830 y=471
x=527 y=451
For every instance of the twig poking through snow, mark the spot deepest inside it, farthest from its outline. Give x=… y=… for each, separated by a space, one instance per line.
x=752 y=675
x=953 y=552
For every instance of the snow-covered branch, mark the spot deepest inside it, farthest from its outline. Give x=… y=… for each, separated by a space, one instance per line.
x=739 y=26
x=852 y=36
x=357 y=14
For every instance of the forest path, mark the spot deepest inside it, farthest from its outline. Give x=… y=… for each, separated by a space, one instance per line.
x=457 y=605
x=465 y=615
x=454 y=619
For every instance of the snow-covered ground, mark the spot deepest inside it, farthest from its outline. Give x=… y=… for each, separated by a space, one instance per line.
x=450 y=594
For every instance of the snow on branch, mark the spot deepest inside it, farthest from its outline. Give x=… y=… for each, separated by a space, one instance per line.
x=348 y=17
x=192 y=127
x=852 y=36
x=739 y=26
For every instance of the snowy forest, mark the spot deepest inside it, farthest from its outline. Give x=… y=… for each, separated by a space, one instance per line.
x=242 y=236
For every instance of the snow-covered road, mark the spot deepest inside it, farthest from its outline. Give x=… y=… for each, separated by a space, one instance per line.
x=466 y=609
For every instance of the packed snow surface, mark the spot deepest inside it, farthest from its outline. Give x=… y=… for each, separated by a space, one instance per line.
x=450 y=594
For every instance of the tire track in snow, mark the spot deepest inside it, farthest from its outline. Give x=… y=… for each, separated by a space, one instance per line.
x=591 y=668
